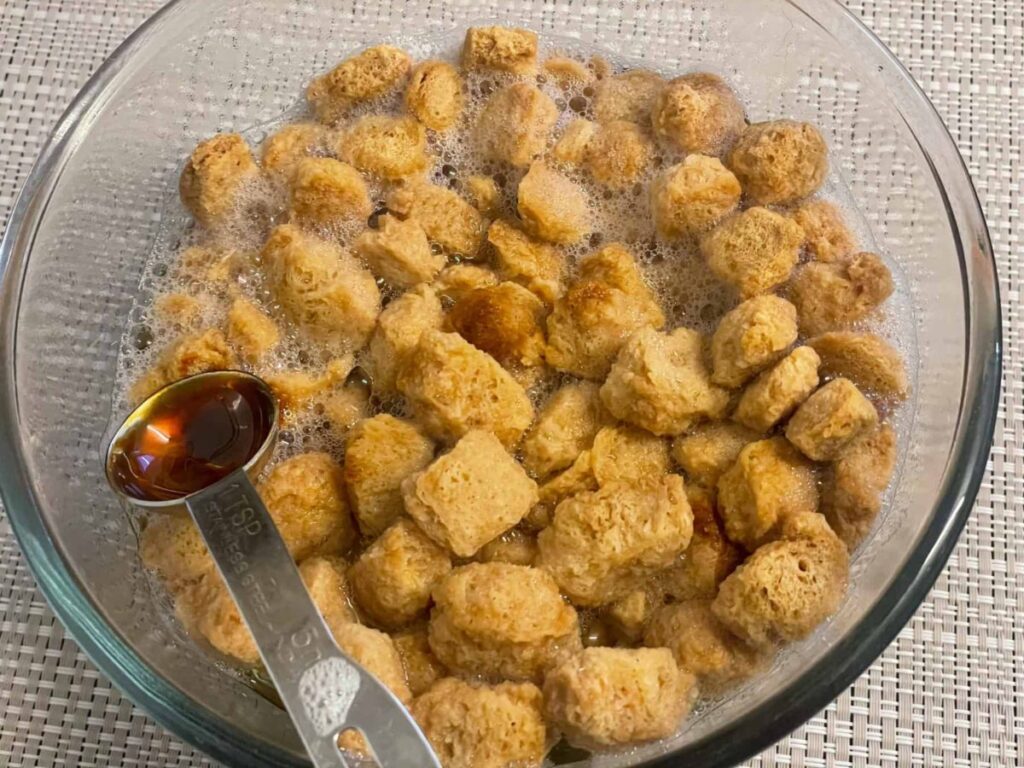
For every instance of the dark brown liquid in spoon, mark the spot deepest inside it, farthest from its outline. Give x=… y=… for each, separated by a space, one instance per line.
x=191 y=437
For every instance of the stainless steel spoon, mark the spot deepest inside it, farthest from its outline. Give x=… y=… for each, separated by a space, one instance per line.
x=197 y=444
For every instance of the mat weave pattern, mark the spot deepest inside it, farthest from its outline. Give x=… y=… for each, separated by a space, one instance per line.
x=948 y=692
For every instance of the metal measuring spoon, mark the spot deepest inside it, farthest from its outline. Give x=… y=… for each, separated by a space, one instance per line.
x=196 y=444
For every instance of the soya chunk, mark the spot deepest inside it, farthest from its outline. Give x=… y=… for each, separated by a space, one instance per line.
x=470 y=495
x=506 y=49
x=553 y=207
x=851 y=496
x=769 y=483
x=392 y=580
x=399 y=252
x=454 y=388
x=601 y=545
x=506 y=321
x=591 y=322
x=698 y=113
x=532 y=263
x=515 y=124
x=701 y=645
x=611 y=696
x=690 y=197
x=709 y=450
x=389 y=147
x=305 y=496
x=830 y=419
x=447 y=219
x=627 y=96
x=619 y=154
x=327 y=193
x=398 y=332
x=565 y=427
x=215 y=177
x=826 y=236
x=380 y=453
x=865 y=359
x=833 y=296
x=779 y=162
x=659 y=382
x=784 y=590
x=777 y=392
x=472 y=725
x=501 y=621
x=361 y=78
x=250 y=330
x=321 y=288
x=750 y=338
x=434 y=94
x=754 y=251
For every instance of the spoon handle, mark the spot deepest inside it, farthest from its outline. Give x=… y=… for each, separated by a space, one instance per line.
x=323 y=690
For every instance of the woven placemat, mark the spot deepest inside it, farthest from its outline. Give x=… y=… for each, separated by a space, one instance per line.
x=948 y=692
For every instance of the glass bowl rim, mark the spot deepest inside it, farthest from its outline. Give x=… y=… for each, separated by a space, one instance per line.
x=757 y=728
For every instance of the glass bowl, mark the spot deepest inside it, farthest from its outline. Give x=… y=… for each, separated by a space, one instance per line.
x=96 y=203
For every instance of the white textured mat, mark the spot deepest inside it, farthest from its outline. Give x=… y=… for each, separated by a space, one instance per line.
x=948 y=692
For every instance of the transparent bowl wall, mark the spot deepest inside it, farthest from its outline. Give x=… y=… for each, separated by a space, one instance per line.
x=91 y=213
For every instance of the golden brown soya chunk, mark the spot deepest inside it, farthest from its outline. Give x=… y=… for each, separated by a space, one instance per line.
x=376 y=652
x=214 y=175
x=398 y=332
x=553 y=207
x=434 y=94
x=506 y=321
x=381 y=452
x=470 y=495
x=751 y=337
x=626 y=454
x=484 y=194
x=515 y=123
x=707 y=451
x=627 y=96
x=826 y=236
x=851 y=496
x=472 y=725
x=422 y=667
x=785 y=589
x=865 y=359
x=392 y=580
x=832 y=296
x=532 y=263
x=609 y=696
x=618 y=154
x=659 y=382
x=282 y=150
x=701 y=645
x=690 y=197
x=297 y=391
x=251 y=331
x=456 y=281
x=698 y=113
x=327 y=193
x=709 y=558
x=628 y=616
x=399 y=252
x=501 y=621
x=384 y=146
x=769 y=483
x=447 y=219
x=328 y=585
x=779 y=162
x=506 y=49
x=777 y=392
x=454 y=388
x=571 y=147
x=831 y=419
x=361 y=78
x=754 y=251
x=305 y=496
x=186 y=356
x=565 y=427
x=601 y=545
x=321 y=288
x=598 y=312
